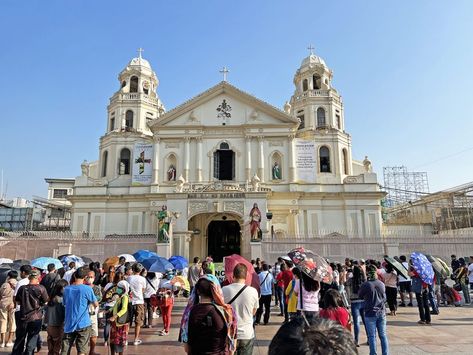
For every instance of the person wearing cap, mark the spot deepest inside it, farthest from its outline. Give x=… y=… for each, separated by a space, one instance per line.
x=137 y=290
x=31 y=298
x=119 y=329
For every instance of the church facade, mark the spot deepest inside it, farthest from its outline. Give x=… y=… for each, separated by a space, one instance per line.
x=224 y=170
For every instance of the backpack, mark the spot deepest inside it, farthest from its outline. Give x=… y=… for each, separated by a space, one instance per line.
x=30 y=302
x=128 y=316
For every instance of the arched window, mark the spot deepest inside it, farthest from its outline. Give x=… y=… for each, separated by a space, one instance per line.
x=129 y=119
x=321 y=117
x=224 y=146
x=104 y=163
x=134 y=84
x=345 y=161
x=124 y=165
x=316 y=80
x=324 y=158
x=305 y=85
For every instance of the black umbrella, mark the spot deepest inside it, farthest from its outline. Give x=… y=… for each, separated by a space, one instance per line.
x=87 y=260
x=400 y=269
x=4 y=270
x=22 y=262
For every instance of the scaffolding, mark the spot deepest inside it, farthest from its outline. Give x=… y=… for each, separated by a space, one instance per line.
x=403 y=186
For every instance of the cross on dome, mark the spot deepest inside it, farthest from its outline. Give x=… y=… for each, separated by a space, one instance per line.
x=224 y=71
x=311 y=49
x=140 y=51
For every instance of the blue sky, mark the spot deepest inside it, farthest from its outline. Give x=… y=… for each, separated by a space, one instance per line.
x=404 y=69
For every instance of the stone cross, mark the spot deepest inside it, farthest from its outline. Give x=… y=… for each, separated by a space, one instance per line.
x=311 y=49
x=140 y=51
x=224 y=71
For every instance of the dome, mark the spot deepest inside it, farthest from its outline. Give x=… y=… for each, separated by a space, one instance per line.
x=139 y=61
x=313 y=60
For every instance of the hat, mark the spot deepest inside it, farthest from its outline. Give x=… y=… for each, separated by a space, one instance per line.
x=125 y=285
x=362 y=261
x=34 y=274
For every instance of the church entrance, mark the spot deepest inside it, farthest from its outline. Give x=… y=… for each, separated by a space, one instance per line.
x=223 y=239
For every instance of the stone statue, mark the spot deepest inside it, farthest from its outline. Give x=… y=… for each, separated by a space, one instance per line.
x=122 y=168
x=367 y=165
x=172 y=173
x=255 y=180
x=180 y=184
x=287 y=107
x=85 y=168
x=163 y=224
x=255 y=220
x=276 y=171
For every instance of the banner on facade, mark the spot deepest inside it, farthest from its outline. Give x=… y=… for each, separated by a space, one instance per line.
x=220 y=271
x=306 y=165
x=142 y=173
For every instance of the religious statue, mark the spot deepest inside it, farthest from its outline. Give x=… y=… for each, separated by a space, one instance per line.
x=276 y=171
x=163 y=224
x=255 y=182
x=367 y=165
x=85 y=168
x=172 y=173
x=255 y=220
x=180 y=184
x=122 y=168
x=287 y=107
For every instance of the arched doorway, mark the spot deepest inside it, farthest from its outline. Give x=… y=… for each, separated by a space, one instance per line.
x=223 y=239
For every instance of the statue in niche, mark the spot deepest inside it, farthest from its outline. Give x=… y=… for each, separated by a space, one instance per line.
x=276 y=171
x=172 y=173
x=85 y=168
x=255 y=221
x=122 y=168
x=367 y=165
x=255 y=180
x=163 y=224
x=180 y=184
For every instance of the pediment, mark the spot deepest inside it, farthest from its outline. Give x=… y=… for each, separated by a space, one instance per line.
x=224 y=105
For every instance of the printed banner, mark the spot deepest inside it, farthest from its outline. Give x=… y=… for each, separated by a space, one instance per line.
x=306 y=165
x=220 y=271
x=142 y=164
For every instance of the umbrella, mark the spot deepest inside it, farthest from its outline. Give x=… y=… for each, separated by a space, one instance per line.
x=21 y=262
x=43 y=262
x=179 y=262
x=128 y=258
x=111 y=261
x=251 y=277
x=5 y=261
x=313 y=265
x=86 y=260
x=445 y=266
x=4 y=270
x=161 y=265
x=142 y=255
x=150 y=261
x=396 y=265
x=181 y=281
x=437 y=266
x=67 y=259
x=423 y=267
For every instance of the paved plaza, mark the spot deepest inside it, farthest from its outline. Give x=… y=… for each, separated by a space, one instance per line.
x=449 y=334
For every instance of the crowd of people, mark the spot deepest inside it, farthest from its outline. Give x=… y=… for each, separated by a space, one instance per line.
x=72 y=303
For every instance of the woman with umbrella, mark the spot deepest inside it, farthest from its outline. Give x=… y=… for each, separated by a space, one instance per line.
x=165 y=296
x=307 y=292
x=422 y=274
x=390 y=281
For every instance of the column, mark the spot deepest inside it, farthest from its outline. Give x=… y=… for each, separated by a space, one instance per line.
x=199 y=160
x=261 y=159
x=295 y=222
x=292 y=164
x=156 y=161
x=248 y=158
x=187 y=158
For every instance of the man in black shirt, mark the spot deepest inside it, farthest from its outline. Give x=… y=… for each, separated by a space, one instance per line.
x=49 y=281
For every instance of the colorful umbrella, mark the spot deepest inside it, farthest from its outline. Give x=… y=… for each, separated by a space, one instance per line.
x=231 y=261
x=111 y=261
x=142 y=255
x=180 y=281
x=396 y=265
x=43 y=262
x=128 y=258
x=5 y=261
x=179 y=262
x=423 y=267
x=67 y=259
x=148 y=262
x=161 y=265
x=313 y=265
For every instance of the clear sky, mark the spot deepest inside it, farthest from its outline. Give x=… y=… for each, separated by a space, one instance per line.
x=404 y=68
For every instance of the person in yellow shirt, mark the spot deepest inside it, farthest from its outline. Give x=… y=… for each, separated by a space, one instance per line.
x=119 y=319
x=291 y=296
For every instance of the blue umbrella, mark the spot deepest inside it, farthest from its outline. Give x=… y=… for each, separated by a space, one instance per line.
x=423 y=267
x=67 y=259
x=161 y=265
x=150 y=261
x=43 y=262
x=179 y=262
x=142 y=255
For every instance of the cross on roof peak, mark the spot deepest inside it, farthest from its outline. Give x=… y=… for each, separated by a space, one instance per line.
x=140 y=52
x=224 y=71
x=311 y=49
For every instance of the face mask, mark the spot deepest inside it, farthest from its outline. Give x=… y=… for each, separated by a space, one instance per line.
x=120 y=291
x=90 y=280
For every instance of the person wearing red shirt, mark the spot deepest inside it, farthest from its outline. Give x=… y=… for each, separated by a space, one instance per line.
x=334 y=310
x=284 y=278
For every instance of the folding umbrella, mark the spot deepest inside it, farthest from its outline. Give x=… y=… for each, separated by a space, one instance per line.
x=396 y=265
x=313 y=265
x=86 y=260
x=128 y=258
x=161 y=265
x=445 y=266
x=111 y=261
x=21 y=262
x=437 y=266
x=423 y=267
x=179 y=262
x=231 y=261
x=142 y=255
x=67 y=259
x=150 y=261
x=43 y=262
x=5 y=261
x=181 y=281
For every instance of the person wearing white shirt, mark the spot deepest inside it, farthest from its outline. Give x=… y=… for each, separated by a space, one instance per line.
x=137 y=289
x=244 y=300
x=152 y=284
x=470 y=273
x=68 y=274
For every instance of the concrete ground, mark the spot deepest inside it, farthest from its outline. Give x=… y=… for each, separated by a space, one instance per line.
x=450 y=333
